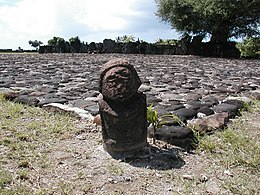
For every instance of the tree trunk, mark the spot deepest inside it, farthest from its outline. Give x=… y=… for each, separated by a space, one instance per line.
x=219 y=36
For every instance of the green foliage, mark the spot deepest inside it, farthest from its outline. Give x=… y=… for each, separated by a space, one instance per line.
x=152 y=117
x=56 y=41
x=74 y=41
x=158 y=122
x=166 y=41
x=221 y=19
x=233 y=146
x=5 y=178
x=35 y=44
x=125 y=39
x=250 y=47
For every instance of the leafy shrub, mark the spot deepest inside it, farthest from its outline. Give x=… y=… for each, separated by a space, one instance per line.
x=250 y=48
x=166 y=42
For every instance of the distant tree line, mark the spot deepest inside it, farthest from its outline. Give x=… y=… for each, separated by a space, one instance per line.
x=249 y=48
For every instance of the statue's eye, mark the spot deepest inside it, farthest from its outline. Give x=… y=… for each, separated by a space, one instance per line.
x=111 y=78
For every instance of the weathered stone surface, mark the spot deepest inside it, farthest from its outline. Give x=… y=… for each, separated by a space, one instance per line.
x=52 y=100
x=10 y=95
x=242 y=99
x=119 y=80
x=196 y=105
x=205 y=110
x=231 y=109
x=93 y=109
x=256 y=94
x=56 y=107
x=151 y=99
x=80 y=103
x=170 y=97
x=145 y=88
x=122 y=110
x=173 y=107
x=185 y=113
x=193 y=96
x=168 y=120
x=74 y=77
x=25 y=99
x=176 y=135
x=239 y=104
x=210 y=100
x=209 y=123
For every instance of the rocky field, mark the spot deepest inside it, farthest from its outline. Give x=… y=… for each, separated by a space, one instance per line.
x=58 y=155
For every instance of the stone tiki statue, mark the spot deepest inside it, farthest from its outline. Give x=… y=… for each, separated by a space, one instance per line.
x=122 y=109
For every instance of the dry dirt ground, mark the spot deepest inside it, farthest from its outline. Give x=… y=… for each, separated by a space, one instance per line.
x=46 y=153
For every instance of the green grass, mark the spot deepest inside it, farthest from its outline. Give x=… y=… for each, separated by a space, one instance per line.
x=237 y=150
x=23 y=130
x=5 y=178
x=28 y=133
x=234 y=146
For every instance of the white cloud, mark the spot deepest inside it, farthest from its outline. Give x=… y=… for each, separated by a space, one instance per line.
x=25 y=20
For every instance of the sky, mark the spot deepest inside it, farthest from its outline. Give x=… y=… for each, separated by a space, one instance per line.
x=91 y=20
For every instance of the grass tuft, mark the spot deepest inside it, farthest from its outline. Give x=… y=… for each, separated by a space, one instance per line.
x=5 y=178
x=233 y=146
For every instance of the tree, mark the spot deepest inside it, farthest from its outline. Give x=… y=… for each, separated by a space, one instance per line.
x=222 y=19
x=75 y=43
x=59 y=44
x=125 y=39
x=56 y=41
x=35 y=44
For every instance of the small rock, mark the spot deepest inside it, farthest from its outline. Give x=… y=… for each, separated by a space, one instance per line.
x=93 y=109
x=210 y=100
x=238 y=103
x=209 y=123
x=185 y=113
x=203 y=178
x=11 y=95
x=192 y=97
x=205 y=110
x=25 y=99
x=256 y=94
x=176 y=135
x=201 y=115
x=188 y=177
x=52 y=100
x=227 y=172
x=144 y=88
x=174 y=107
x=97 y=120
x=83 y=114
x=243 y=99
x=195 y=105
x=231 y=109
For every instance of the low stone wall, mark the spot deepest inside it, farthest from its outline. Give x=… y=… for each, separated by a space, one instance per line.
x=182 y=47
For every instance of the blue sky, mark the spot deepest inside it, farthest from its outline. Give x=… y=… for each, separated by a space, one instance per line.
x=91 y=20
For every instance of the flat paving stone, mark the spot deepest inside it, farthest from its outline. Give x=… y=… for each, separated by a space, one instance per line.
x=170 y=82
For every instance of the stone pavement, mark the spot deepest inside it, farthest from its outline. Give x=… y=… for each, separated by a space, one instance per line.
x=182 y=85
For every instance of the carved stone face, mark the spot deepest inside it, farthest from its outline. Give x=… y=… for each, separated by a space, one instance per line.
x=117 y=84
x=118 y=80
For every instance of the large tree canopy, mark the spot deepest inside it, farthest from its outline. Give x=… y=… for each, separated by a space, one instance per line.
x=222 y=19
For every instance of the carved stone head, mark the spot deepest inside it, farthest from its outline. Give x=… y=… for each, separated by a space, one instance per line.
x=119 y=80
